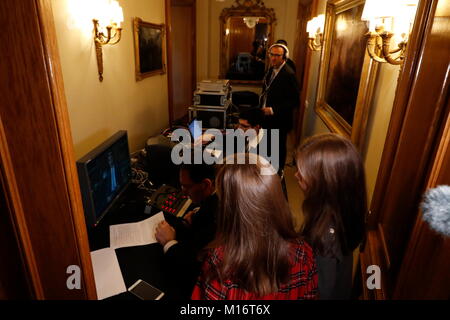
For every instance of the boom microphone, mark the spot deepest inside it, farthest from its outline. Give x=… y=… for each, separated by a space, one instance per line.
x=436 y=209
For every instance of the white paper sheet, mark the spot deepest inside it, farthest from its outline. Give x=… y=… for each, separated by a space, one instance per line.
x=108 y=277
x=215 y=152
x=134 y=234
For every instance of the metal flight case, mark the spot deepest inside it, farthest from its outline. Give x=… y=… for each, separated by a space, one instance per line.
x=211 y=103
x=211 y=116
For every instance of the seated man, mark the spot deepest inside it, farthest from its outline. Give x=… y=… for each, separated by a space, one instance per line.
x=183 y=242
x=252 y=119
x=261 y=142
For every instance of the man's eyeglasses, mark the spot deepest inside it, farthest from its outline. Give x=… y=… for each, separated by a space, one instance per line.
x=275 y=54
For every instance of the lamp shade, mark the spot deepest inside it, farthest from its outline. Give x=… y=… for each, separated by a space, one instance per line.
x=309 y=27
x=101 y=12
x=320 y=22
x=402 y=11
x=116 y=13
x=315 y=25
x=374 y=9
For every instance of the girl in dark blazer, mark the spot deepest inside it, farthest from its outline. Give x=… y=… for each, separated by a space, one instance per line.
x=331 y=175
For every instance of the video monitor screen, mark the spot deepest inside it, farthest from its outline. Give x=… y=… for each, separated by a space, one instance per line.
x=195 y=129
x=109 y=173
x=104 y=173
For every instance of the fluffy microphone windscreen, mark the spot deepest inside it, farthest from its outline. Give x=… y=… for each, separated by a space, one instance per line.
x=436 y=209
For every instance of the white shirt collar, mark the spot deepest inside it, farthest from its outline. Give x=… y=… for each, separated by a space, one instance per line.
x=276 y=70
x=256 y=140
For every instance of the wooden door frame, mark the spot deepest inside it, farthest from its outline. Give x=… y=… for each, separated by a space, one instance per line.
x=193 y=5
x=168 y=4
x=411 y=125
x=303 y=78
x=45 y=206
x=434 y=282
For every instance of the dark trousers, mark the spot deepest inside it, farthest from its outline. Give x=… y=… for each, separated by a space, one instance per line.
x=270 y=123
x=283 y=151
x=283 y=148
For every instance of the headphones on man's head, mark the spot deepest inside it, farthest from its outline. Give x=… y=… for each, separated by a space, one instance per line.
x=286 y=50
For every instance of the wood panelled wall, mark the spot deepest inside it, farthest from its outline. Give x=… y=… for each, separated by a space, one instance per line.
x=425 y=271
x=307 y=9
x=38 y=168
x=415 y=132
x=13 y=276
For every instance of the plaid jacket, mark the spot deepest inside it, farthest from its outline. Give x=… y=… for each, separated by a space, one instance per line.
x=302 y=282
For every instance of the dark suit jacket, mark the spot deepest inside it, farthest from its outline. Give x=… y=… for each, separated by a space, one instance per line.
x=291 y=64
x=283 y=97
x=181 y=260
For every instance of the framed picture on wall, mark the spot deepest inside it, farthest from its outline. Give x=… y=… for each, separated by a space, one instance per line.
x=149 y=49
x=347 y=74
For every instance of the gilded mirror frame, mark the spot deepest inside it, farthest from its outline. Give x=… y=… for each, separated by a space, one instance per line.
x=362 y=83
x=243 y=8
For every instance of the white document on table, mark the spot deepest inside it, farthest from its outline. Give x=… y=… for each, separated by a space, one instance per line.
x=108 y=277
x=134 y=234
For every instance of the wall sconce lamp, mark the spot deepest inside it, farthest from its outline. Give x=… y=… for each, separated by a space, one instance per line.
x=251 y=22
x=315 y=32
x=107 y=29
x=390 y=21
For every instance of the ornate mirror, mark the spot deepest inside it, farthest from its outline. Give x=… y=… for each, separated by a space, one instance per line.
x=246 y=31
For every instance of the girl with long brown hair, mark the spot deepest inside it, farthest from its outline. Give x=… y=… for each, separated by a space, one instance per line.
x=331 y=175
x=256 y=253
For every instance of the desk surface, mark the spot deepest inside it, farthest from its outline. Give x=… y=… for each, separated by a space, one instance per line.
x=139 y=262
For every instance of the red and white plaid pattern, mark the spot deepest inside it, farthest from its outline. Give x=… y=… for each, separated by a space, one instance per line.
x=302 y=282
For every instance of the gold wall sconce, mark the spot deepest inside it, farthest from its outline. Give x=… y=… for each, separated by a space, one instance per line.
x=107 y=29
x=315 y=32
x=390 y=23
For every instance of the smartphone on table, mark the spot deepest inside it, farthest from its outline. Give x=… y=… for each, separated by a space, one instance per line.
x=145 y=291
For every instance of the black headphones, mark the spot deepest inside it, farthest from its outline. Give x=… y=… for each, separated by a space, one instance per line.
x=285 y=50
